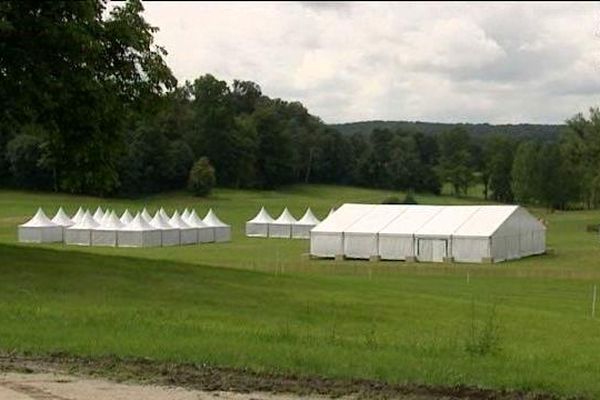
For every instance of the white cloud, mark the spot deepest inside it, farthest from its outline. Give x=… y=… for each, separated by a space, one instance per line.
x=494 y=62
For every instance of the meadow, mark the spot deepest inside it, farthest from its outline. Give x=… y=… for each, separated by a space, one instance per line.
x=263 y=304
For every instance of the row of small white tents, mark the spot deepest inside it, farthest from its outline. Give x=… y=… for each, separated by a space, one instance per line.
x=105 y=228
x=284 y=226
x=429 y=233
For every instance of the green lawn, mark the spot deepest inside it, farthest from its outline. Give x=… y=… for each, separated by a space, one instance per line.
x=273 y=309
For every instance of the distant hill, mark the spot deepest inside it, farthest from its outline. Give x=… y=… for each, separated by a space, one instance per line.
x=547 y=132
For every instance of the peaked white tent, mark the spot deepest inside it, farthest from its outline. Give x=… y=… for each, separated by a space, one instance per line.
x=105 y=217
x=81 y=233
x=138 y=233
x=78 y=215
x=361 y=237
x=282 y=226
x=40 y=229
x=163 y=214
x=106 y=233
x=146 y=215
x=259 y=225
x=185 y=214
x=187 y=234
x=98 y=215
x=301 y=229
x=126 y=217
x=206 y=234
x=222 y=230
x=327 y=238
x=396 y=240
x=169 y=236
x=62 y=219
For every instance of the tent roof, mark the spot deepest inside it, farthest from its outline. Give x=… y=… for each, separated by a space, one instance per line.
x=77 y=217
x=61 y=218
x=39 y=220
x=485 y=221
x=99 y=214
x=146 y=215
x=105 y=216
x=138 y=223
x=211 y=219
x=159 y=222
x=126 y=217
x=185 y=214
x=285 y=218
x=194 y=220
x=343 y=217
x=262 y=217
x=164 y=214
x=447 y=221
x=308 y=218
x=411 y=220
x=376 y=219
x=177 y=222
x=111 y=221
x=87 y=222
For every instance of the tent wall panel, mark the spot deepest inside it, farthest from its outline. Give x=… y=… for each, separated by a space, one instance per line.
x=80 y=237
x=360 y=245
x=257 y=229
x=205 y=235
x=282 y=231
x=169 y=237
x=222 y=233
x=470 y=249
x=138 y=238
x=104 y=238
x=188 y=236
x=396 y=247
x=301 y=231
x=50 y=234
x=432 y=249
x=326 y=244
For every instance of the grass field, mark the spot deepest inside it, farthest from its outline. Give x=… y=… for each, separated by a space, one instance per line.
x=524 y=324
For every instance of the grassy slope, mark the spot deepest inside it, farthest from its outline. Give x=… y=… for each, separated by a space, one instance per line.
x=392 y=321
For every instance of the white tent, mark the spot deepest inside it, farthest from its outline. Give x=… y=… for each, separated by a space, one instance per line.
x=397 y=240
x=126 y=217
x=185 y=214
x=146 y=215
x=282 y=226
x=98 y=215
x=39 y=229
x=301 y=229
x=78 y=215
x=259 y=225
x=222 y=230
x=163 y=214
x=81 y=233
x=187 y=234
x=361 y=237
x=62 y=219
x=105 y=217
x=138 y=233
x=327 y=238
x=169 y=236
x=106 y=233
x=206 y=234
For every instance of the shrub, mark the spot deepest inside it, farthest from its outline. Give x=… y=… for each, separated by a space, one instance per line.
x=391 y=200
x=410 y=198
x=202 y=177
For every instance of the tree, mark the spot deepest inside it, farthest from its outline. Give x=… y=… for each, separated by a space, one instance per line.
x=202 y=177
x=245 y=96
x=454 y=164
x=25 y=154
x=499 y=157
x=526 y=176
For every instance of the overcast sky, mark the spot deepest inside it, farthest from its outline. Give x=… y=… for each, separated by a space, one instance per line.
x=498 y=63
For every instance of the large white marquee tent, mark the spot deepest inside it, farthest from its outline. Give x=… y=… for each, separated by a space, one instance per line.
x=40 y=229
x=429 y=233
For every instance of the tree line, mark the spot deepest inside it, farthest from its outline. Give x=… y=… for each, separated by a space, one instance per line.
x=89 y=105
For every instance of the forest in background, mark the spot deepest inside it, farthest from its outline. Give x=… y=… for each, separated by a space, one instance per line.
x=89 y=105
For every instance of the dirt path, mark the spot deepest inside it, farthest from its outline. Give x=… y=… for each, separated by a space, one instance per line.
x=63 y=377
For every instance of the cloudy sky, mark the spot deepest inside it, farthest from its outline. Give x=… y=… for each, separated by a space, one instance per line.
x=498 y=63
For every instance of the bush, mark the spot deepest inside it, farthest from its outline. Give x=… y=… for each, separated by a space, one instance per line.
x=391 y=200
x=202 y=177
x=410 y=198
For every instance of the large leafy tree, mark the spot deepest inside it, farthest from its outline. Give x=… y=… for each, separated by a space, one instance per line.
x=454 y=165
x=78 y=77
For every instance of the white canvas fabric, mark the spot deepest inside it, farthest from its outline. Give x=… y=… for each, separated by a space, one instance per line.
x=146 y=215
x=40 y=229
x=169 y=235
x=105 y=217
x=396 y=240
x=78 y=215
x=98 y=215
x=301 y=229
x=185 y=214
x=259 y=225
x=187 y=234
x=327 y=238
x=138 y=233
x=206 y=234
x=106 y=233
x=126 y=217
x=282 y=226
x=222 y=230
x=164 y=214
x=62 y=219
x=361 y=238
x=81 y=233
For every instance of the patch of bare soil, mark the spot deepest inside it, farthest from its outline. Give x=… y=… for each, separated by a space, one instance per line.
x=229 y=382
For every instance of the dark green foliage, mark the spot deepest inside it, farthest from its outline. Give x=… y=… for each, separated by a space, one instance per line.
x=497 y=167
x=202 y=177
x=410 y=198
x=455 y=160
x=391 y=200
x=25 y=157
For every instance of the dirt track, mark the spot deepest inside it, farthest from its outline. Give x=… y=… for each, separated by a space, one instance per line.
x=61 y=377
